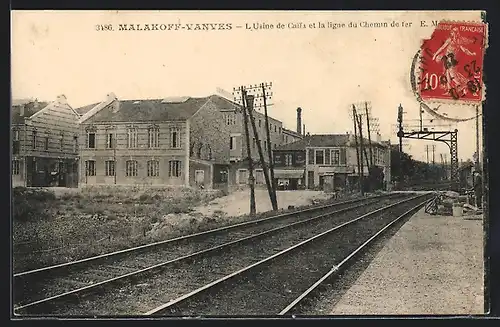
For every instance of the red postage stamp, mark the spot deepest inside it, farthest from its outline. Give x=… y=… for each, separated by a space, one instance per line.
x=451 y=62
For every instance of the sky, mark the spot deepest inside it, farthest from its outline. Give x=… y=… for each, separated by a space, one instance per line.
x=322 y=70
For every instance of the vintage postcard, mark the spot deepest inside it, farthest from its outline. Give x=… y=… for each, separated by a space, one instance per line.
x=240 y=163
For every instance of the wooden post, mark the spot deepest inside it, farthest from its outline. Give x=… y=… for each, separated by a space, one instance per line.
x=369 y=134
x=251 y=179
x=360 y=123
x=269 y=150
x=354 y=117
x=259 y=148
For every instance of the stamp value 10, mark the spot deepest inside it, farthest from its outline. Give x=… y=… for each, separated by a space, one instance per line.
x=451 y=62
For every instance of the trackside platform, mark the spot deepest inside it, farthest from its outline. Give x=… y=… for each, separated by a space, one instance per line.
x=432 y=265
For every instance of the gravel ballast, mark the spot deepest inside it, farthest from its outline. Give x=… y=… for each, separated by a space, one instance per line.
x=268 y=289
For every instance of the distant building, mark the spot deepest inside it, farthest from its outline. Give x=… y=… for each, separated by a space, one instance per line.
x=172 y=141
x=44 y=143
x=234 y=119
x=326 y=161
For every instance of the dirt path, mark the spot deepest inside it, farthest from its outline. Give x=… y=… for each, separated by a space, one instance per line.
x=238 y=203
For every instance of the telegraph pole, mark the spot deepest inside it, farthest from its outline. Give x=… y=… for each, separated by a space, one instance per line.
x=369 y=133
x=427 y=152
x=261 y=154
x=354 y=115
x=251 y=178
x=433 y=153
x=360 y=123
x=269 y=151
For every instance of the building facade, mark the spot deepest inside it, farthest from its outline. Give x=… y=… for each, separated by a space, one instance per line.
x=172 y=141
x=44 y=143
x=326 y=162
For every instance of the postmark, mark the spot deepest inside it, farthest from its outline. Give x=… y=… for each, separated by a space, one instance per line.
x=451 y=63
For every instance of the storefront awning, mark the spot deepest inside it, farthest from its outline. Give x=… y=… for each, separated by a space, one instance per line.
x=288 y=173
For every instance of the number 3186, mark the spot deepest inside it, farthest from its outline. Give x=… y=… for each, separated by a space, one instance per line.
x=104 y=27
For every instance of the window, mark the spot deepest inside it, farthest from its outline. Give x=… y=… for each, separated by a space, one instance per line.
x=231 y=142
x=286 y=138
x=153 y=137
x=343 y=156
x=230 y=119
x=91 y=140
x=34 y=140
x=335 y=157
x=131 y=168
x=254 y=143
x=15 y=167
x=46 y=145
x=311 y=157
x=153 y=168
x=275 y=128
x=260 y=122
x=175 y=138
x=15 y=141
x=288 y=159
x=90 y=168
x=75 y=143
x=110 y=167
x=174 y=168
x=280 y=130
x=15 y=135
x=61 y=140
x=265 y=145
x=132 y=137
x=275 y=145
x=242 y=176
x=109 y=140
x=320 y=157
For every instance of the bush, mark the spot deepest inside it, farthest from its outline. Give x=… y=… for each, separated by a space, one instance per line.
x=31 y=203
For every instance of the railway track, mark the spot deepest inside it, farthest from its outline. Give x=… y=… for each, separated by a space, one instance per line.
x=276 y=284
x=39 y=289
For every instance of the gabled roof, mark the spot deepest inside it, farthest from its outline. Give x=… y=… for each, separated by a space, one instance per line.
x=30 y=108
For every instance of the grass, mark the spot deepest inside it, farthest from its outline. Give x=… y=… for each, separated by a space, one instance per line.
x=50 y=229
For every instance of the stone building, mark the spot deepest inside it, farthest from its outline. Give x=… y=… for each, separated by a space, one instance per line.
x=172 y=141
x=44 y=143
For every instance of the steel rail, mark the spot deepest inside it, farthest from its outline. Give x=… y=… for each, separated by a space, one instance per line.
x=337 y=267
x=95 y=286
x=185 y=237
x=185 y=297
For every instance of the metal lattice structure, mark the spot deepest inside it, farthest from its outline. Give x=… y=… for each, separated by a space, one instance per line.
x=450 y=138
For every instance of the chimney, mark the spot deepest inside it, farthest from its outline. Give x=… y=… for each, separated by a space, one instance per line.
x=299 y=120
x=21 y=110
x=304 y=129
x=379 y=138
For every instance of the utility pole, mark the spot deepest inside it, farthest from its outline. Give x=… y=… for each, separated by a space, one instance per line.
x=269 y=151
x=354 y=115
x=361 y=150
x=433 y=153
x=251 y=178
x=369 y=133
x=427 y=152
x=259 y=148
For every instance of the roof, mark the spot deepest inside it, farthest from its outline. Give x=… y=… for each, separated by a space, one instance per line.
x=30 y=108
x=319 y=140
x=83 y=110
x=150 y=110
x=289 y=131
